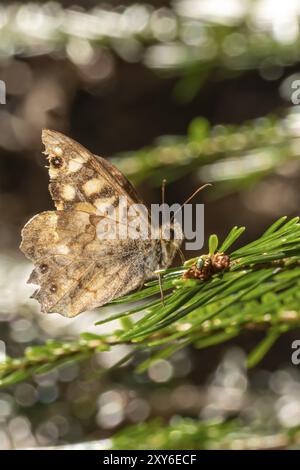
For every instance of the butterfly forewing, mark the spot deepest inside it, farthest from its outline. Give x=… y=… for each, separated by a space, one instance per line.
x=80 y=180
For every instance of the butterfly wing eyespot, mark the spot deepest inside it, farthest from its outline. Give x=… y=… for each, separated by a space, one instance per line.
x=44 y=268
x=53 y=288
x=56 y=161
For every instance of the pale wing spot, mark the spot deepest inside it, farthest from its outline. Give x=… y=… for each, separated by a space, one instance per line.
x=93 y=186
x=75 y=165
x=103 y=203
x=68 y=192
x=82 y=158
x=53 y=172
x=58 y=151
x=63 y=250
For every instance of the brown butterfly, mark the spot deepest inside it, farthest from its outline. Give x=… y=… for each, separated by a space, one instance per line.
x=74 y=268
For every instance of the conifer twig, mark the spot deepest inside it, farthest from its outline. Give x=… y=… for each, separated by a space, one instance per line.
x=259 y=289
x=193 y=44
x=232 y=156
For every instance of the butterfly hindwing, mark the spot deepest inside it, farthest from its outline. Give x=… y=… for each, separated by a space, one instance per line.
x=75 y=270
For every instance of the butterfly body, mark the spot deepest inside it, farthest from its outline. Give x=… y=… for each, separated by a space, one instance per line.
x=76 y=268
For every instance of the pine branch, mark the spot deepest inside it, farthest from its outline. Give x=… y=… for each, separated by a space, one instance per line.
x=233 y=156
x=258 y=289
x=187 y=433
x=51 y=355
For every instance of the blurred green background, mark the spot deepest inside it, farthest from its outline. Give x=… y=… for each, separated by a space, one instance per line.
x=166 y=90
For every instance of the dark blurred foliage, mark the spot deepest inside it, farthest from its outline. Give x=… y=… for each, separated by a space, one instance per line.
x=110 y=105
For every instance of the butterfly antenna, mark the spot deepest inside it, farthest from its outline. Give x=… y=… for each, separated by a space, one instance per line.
x=163 y=190
x=191 y=197
x=163 y=193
